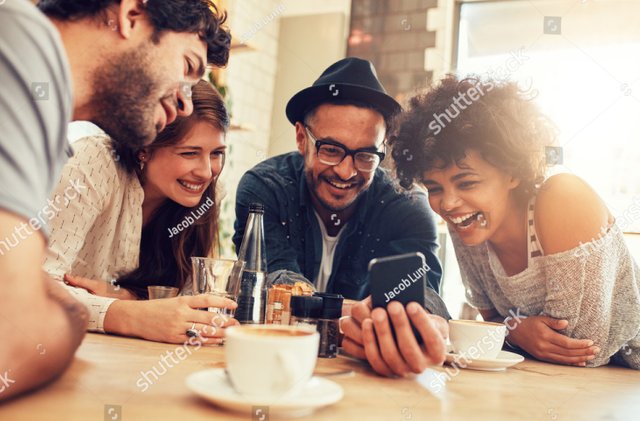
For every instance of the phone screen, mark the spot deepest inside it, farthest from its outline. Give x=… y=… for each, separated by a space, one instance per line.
x=401 y=278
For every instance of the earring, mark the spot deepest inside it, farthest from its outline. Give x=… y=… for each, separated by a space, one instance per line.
x=141 y=159
x=141 y=165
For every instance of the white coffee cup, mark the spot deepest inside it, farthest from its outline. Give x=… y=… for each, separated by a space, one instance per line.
x=270 y=361
x=475 y=339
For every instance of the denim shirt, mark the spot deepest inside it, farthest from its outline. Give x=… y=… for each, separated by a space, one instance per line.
x=387 y=222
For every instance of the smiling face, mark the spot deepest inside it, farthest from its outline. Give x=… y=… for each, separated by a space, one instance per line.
x=336 y=188
x=473 y=197
x=183 y=171
x=141 y=90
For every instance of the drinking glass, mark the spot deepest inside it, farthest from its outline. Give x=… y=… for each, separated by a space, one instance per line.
x=159 y=291
x=217 y=277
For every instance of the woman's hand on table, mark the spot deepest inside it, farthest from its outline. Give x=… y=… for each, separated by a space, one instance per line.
x=539 y=337
x=167 y=320
x=101 y=288
x=368 y=336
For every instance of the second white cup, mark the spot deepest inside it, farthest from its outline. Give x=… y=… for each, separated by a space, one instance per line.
x=475 y=339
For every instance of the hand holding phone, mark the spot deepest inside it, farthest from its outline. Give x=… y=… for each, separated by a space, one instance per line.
x=399 y=278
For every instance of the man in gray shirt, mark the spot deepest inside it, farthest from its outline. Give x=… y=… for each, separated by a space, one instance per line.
x=131 y=65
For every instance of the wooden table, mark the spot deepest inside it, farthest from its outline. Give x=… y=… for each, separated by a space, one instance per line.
x=106 y=369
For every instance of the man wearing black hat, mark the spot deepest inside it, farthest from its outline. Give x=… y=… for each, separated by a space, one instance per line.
x=329 y=207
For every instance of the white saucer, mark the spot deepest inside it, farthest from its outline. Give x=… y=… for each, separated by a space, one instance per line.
x=500 y=363
x=214 y=386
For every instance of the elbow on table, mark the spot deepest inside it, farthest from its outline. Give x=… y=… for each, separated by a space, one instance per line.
x=71 y=325
x=35 y=357
x=625 y=357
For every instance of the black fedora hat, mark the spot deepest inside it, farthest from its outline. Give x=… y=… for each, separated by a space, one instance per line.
x=352 y=79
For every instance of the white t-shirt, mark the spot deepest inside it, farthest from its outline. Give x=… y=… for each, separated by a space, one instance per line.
x=328 y=251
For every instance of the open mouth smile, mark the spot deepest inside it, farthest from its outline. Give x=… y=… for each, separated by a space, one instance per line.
x=465 y=221
x=341 y=186
x=192 y=187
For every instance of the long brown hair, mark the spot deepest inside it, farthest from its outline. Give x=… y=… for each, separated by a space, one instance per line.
x=164 y=260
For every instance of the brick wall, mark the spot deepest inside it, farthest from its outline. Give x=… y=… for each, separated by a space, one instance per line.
x=393 y=35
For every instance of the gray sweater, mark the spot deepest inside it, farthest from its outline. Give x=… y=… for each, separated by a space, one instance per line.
x=595 y=286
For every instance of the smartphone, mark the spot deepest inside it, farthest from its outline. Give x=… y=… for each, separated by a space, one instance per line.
x=401 y=278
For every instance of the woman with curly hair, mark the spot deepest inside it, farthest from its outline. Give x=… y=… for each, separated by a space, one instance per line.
x=545 y=250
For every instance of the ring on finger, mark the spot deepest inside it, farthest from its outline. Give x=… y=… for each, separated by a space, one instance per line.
x=192 y=332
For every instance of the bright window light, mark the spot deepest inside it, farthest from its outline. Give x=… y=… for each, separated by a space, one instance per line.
x=581 y=58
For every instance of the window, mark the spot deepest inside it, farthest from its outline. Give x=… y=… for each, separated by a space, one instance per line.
x=582 y=59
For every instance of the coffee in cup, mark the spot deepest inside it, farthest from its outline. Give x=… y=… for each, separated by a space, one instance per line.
x=477 y=339
x=268 y=362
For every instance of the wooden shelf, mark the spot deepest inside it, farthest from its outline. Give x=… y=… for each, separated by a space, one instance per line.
x=239 y=128
x=238 y=47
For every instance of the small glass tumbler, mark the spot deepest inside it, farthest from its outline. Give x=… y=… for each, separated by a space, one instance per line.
x=216 y=277
x=159 y=291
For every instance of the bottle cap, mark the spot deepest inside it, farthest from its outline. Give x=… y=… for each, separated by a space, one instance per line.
x=331 y=305
x=306 y=306
x=256 y=207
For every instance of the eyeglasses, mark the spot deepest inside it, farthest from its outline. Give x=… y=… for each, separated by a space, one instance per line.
x=332 y=153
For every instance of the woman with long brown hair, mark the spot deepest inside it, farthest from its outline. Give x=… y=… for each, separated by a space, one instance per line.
x=131 y=218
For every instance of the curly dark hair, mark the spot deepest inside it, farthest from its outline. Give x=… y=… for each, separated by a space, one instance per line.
x=194 y=16
x=501 y=123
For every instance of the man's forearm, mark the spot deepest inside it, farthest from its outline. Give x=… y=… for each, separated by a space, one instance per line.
x=36 y=356
x=77 y=314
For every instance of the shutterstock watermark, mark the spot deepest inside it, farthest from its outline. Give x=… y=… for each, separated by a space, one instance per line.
x=585 y=249
x=511 y=65
x=40 y=91
x=460 y=102
x=630 y=215
x=5 y=381
x=474 y=93
x=148 y=378
x=247 y=35
x=47 y=213
x=112 y=412
x=259 y=413
x=485 y=344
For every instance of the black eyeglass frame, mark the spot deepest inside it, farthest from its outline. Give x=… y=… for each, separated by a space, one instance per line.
x=347 y=152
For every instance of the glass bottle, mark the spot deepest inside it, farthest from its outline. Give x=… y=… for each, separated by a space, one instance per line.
x=251 y=299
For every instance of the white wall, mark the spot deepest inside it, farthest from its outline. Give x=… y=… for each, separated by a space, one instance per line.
x=315 y=7
x=261 y=81
x=250 y=77
x=308 y=45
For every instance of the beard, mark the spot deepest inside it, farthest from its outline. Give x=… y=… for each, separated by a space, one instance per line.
x=313 y=186
x=126 y=94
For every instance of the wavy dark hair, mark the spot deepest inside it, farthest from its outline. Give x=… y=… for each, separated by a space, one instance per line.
x=502 y=124
x=194 y=16
x=164 y=260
